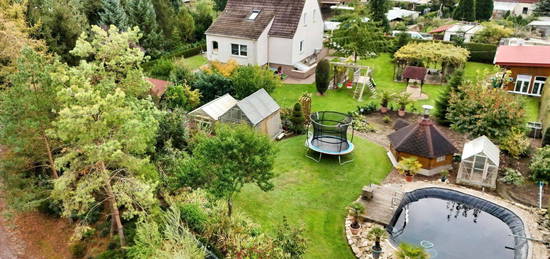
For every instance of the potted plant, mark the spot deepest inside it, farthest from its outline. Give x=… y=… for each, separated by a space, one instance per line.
x=402 y=101
x=408 y=251
x=444 y=175
x=409 y=167
x=385 y=98
x=355 y=210
x=377 y=234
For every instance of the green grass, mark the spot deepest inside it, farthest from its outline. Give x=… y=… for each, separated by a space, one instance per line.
x=342 y=99
x=315 y=194
x=195 y=62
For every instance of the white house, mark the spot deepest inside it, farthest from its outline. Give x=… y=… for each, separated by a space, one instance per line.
x=286 y=34
x=541 y=25
x=397 y=13
x=464 y=30
x=515 y=7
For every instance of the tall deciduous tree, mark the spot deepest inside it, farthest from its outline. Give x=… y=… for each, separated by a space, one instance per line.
x=484 y=9
x=185 y=25
x=107 y=127
x=60 y=23
x=235 y=156
x=378 y=9
x=220 y=4
x=141 y=13
x=465 y=11
x=203 y=15
x=27 y=110
x=358 y=38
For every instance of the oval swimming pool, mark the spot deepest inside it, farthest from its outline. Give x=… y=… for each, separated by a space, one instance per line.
x=453 y=225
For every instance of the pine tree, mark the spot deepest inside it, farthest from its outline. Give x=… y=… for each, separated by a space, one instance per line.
x=378 y=9
x=484 y=9
x=465 y=11
x=141 y=13
x=166 y=20
x=114 y=13
x=543 y=8
x=443 y=102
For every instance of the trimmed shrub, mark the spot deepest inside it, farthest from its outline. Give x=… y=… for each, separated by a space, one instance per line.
x=298 y=119
x=322 y=76
x=515 y=143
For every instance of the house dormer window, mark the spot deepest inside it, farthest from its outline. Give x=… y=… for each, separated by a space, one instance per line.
x=253 y=15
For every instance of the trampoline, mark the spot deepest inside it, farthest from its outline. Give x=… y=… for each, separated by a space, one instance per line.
x=328 y=134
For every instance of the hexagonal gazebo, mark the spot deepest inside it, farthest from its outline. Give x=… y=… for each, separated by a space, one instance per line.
x=479 y=165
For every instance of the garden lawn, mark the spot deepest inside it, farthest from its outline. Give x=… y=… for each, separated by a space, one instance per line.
x=315 y=195
x=195 y=62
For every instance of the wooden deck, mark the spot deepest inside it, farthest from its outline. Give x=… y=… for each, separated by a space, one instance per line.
x=382 y=207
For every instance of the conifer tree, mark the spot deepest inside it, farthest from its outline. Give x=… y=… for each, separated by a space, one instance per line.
x=465 y=11
x=543 y=8
x=298 y=119
x=114 y=13
x=378 y=9
x=484 y=9
x=141 y=13
x=443 y=102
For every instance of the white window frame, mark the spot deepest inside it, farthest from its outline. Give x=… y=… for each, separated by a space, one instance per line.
x=540 y=85
x=254 y=15
x=240 y=51
x=440 y=159
x=524 y=79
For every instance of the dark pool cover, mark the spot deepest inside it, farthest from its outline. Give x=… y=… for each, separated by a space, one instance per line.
x=505 y=215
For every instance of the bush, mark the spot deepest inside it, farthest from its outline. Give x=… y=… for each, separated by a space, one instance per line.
x=298 y=119
x=367 y=108
x=515 y=143
x=540 y=165
x=479 y=111
x=512 y=176
x=180 y=96
x=322 y=76
x=212 y=86
x=160 y=68
x=480 y=52
x=180 y=73
x=249 y=79
x=193 y=217
x=78 y=250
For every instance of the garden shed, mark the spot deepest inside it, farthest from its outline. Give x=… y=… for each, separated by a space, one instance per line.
x=209 y=113
x=424 y=141
x=258 y=110
x=479 y=165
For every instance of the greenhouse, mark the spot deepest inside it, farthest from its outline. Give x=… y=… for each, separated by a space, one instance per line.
x=480 y=161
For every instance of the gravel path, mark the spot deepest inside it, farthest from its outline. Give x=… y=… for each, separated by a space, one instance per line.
x=10 y=248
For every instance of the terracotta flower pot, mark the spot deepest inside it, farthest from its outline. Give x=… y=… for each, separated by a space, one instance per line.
x=383 y=109
x=409 y=178
x=401 y=113
x=355 y=231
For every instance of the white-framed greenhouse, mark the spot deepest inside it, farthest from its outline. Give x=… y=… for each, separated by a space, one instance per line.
x=479 y=165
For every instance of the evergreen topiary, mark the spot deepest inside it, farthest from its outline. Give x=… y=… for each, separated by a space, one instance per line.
x=298 y=119
x=322 y=78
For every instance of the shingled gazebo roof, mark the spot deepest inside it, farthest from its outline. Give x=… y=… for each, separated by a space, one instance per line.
x=422 y=139
x=417 y=73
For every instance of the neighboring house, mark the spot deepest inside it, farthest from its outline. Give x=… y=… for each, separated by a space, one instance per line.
x=424 y=141
x=464 y=30
x=398 y=14
x=286 y=34
x=439 y=32
x=524 y=42
x=522 y=8
x=542 y=25
x=206 y=115
x=530 y=66
x=258 y=110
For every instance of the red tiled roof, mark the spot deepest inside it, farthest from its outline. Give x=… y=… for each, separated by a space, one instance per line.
x=417 y=73
x=532 y=56
x=441 y=28
x=159 y=86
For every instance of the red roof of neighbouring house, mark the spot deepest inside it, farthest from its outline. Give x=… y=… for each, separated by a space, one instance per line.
x=159 y=86
x=417 y=73
x=441 y=29
x=526 y=56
